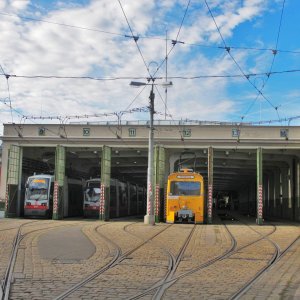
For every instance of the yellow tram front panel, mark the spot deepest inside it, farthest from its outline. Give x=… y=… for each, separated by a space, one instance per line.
x=185 y=197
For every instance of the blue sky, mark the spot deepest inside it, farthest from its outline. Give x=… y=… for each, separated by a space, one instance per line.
x=30 y=47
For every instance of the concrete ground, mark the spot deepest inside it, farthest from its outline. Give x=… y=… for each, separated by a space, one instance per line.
x=125 y=259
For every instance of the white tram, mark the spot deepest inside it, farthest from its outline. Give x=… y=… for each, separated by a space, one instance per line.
x=39 y=196
x=38 y=200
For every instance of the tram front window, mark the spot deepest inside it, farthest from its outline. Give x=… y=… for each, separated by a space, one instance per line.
x=92 y=194
x=38 y=189
x=185 y=188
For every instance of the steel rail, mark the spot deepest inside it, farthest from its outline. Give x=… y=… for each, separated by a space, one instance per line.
x=161 y=290
x=10 y=228
x=171 y=281
x=278 y=254
x=232 y=250
x=173 y=264
x=119 y=257
x=6 y=282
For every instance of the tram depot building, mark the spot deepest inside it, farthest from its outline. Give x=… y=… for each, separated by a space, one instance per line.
x=251 y=169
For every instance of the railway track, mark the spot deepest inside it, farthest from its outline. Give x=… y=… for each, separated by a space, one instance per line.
x=7 y=279
x=173 y=271
x=6 y=282
x=174 y=261
x=18 y=225
x=278 y=254
x=161 y=287
x=115 y=261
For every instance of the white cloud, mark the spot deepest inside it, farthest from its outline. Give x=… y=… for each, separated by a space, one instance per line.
x=36 y=48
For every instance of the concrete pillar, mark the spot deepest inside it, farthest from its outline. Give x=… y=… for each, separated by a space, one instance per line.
x=159 y=184
x=59 y=182
x=20 y=207
x=13 y=182
x=105 y=184
x=259 y=180
x=4 y=168
x=210 y=167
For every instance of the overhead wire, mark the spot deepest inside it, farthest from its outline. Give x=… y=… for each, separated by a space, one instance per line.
x=185 y=12
x=62 y=24
x=150 y=37
x=170 y=115
x=260 y=93
x=86 y=116
x=76 y=77
x=174 y=43
x=145 y=78
x=23 y=117
x=135 y=38
x=8 y=91
x=234 y=60
x=134 y=99
x=274 y=51
x=287 y=119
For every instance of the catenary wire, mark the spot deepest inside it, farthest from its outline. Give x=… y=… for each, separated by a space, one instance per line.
x=136 y=42
x=61 y=24
x=145 y=78
x=236 y=63
x=287 y=119
x=272 y=64
x=135 y=38
x=241 y=76
x=170 y=115
x=134 y=99
x=8 y=91
x=149 y=37
x=24 y=117
x=174 y=42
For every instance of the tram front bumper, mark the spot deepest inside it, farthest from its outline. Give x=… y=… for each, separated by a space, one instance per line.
x=185 y=215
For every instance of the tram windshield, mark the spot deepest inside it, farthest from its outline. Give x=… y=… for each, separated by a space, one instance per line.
x=38 y=189
x=185 y=188
x=92 y=192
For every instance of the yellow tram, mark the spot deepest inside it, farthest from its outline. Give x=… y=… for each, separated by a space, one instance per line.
x=185 y=197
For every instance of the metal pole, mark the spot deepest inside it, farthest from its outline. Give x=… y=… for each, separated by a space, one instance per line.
x=259 y=180
x=166 y=90
x=210 y=175
x=149 y=217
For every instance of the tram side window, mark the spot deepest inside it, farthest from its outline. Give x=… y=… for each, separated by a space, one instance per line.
x=185 y=188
